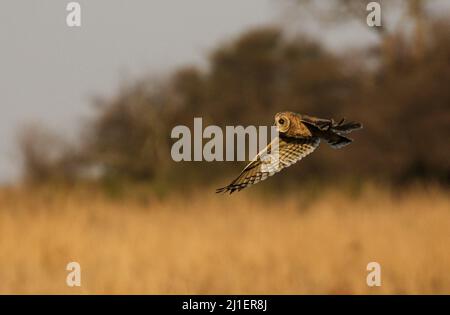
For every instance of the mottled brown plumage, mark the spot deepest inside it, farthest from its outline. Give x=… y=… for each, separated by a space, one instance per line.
x=299 y=135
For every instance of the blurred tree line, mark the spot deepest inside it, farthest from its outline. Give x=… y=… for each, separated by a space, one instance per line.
x=399 y=90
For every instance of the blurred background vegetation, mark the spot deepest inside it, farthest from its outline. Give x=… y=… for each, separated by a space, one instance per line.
x=104 y=199
x=398 y=88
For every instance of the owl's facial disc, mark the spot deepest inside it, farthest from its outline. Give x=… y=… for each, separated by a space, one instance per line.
x=282 y=122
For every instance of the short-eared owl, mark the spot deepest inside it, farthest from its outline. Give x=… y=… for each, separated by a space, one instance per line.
x=299 y=135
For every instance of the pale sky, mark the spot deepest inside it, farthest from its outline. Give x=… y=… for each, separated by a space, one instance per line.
x=49 y=72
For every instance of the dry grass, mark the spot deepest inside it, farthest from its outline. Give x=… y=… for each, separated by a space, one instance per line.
x=221 y=244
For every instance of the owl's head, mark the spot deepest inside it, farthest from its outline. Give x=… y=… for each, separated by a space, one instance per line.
x=283 y=121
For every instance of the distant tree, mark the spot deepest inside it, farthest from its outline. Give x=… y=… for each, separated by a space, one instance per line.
x=46 y=157
x=128 y=137
x=402 y=101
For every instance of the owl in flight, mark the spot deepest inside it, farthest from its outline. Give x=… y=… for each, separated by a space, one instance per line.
x=298 y=136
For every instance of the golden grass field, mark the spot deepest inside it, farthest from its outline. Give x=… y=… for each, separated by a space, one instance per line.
x=206 y=243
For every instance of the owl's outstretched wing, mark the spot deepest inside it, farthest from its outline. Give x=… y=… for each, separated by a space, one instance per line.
x=341 y=127
x=279 y=154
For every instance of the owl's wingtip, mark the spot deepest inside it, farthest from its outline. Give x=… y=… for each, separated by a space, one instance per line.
x=225 y=190
x=221 y=190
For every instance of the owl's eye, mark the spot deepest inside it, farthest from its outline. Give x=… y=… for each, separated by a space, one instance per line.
x=281 y=121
